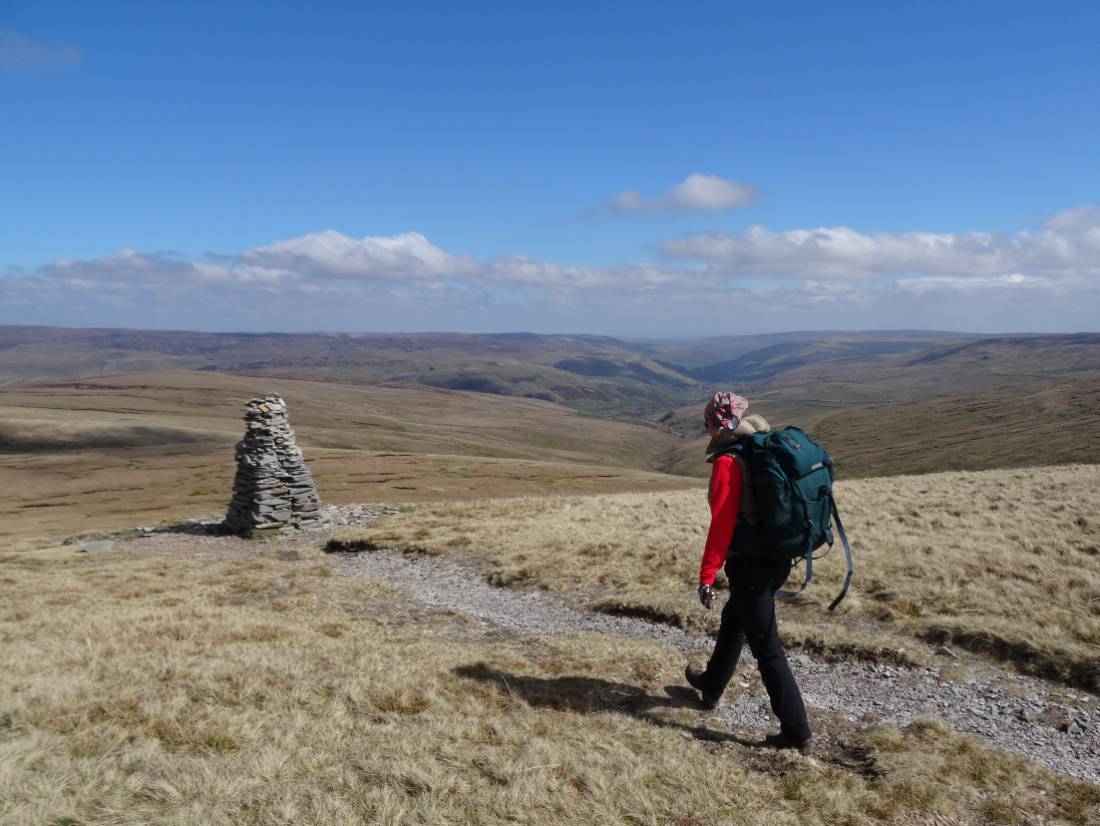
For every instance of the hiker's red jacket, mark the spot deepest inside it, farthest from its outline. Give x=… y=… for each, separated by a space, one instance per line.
x=725 y=502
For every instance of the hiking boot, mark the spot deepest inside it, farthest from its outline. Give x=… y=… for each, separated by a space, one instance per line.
x=782 y=741
x=694 y=676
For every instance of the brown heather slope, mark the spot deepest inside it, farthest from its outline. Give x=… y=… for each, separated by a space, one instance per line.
x=1054 y=423
x=1011 y=364
x=1015 y=401
x=791 y=352
x=115 y=451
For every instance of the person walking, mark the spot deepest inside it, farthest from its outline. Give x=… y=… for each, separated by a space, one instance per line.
x=735 y=541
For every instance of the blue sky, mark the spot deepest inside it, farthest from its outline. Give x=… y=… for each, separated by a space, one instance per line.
x=461 y=166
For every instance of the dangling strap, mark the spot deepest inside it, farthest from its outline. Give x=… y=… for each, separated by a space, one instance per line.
x=809 y=575
x=847 y=553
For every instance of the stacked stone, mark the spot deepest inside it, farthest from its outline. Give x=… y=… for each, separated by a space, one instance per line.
x=273 y=488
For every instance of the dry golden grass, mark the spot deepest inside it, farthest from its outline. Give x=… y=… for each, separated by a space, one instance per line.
x=263 y=692
x=1006 y=562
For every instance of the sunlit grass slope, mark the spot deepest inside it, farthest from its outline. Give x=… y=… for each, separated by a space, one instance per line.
x=265 y=691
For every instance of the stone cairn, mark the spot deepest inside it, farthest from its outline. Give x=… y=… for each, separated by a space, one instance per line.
x=273 y=488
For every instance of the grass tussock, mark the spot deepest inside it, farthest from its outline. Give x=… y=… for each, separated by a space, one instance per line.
x=316 y=700
x=1002 y=562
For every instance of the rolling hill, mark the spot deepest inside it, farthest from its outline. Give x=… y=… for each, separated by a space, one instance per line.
x=87 y=453
x=994 y=403
x=586 y=372
x=902 y=402
x=594 y=373
x=766 y=362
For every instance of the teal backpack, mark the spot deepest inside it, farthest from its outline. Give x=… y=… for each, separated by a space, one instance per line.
x=792 y=477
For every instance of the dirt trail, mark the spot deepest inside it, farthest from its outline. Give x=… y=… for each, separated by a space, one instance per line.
x=1010 y=711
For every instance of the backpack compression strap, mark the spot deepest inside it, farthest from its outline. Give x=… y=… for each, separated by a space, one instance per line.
x=810 y=562
x=847 y=554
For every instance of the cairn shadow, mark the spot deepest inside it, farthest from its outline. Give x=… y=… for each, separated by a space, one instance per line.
x=592 y=695
x=194 y=527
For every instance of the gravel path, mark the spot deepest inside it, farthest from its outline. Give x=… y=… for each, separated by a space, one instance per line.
x=442 y=583
x=1010 y=711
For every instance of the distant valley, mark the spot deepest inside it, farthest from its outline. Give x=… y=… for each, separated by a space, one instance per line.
x=592 y=373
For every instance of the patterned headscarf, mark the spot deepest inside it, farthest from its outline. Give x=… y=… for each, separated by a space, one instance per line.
x=725 y=410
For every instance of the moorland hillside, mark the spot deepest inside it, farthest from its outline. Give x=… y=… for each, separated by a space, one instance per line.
x=104 y=452
x=770 y=360
x=1049 y=423
x=991 y=365
x=799 y=375
x=1016 y=402
x=588 y=372
x=162 y=441
x=595 y=373
x=1005 y=402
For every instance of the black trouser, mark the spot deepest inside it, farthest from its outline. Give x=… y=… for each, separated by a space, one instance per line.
x=749 y=616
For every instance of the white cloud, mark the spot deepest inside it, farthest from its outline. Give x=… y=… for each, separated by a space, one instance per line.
x=1068 y=246
x=19 y=53
x=1013 y=282
x=697 y=192
x=327 y=280
x=334 y=255
x=533 y=273
x=411 y=258
x=332 y=263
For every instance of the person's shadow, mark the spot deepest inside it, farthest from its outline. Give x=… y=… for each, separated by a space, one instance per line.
x=591 y=695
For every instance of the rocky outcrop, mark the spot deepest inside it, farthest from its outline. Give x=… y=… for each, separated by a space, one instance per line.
x=273 y=488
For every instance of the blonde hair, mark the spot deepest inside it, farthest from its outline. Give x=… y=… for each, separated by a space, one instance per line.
x=757 y=422
x=726 y=437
